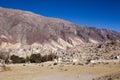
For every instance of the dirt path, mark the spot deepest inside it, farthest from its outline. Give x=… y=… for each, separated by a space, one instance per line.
x=66 y=77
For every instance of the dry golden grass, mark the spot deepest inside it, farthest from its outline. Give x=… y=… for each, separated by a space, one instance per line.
x=98 y=69
x=4 y=68
x=30 y=72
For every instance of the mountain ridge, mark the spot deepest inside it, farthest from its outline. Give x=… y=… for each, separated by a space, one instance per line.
x=27 y=28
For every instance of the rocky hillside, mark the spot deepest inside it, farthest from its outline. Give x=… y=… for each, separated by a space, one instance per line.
x=102 y=51
x=26 y=28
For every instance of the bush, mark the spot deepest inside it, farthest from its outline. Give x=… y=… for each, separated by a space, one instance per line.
x=73 y=63
x=49 y=57
x=27 y=59
x=44 y=58
x=4 y=56
x=17 y=59
x=35 y=58
x=55 y=64
x=65 y=69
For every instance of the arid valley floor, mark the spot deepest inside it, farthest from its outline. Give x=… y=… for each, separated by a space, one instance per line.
x=60 y=72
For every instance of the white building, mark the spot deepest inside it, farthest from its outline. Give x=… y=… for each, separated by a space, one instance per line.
x=75 y=60
x=118 y=57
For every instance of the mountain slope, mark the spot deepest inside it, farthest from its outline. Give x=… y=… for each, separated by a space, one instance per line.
x=26 y=28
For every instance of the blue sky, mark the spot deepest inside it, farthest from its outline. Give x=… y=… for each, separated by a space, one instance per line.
x=94 y=13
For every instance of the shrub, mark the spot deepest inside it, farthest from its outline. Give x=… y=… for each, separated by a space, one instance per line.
x=65 y=69
x=35 y=58
x=44 y=58
x=4 y=56
x=55 y=64
x=17 y=59
x=27 y=59
x=109 y=79
x=73 y=63
x=49 y=57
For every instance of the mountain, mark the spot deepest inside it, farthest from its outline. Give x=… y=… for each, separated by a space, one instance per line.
x=19 y=28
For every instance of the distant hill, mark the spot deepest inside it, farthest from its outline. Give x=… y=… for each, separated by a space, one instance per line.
x=26 y=28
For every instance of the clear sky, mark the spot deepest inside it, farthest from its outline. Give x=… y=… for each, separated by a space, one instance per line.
x=94 y=13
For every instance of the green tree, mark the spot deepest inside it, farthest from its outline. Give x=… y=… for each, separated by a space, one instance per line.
x=35 y=58
x=27 y=59
x=17 y=59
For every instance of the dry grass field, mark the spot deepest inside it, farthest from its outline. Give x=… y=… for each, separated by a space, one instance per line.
x=68 y=72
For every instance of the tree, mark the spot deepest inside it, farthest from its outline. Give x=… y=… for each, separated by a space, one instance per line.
x=35 y=58
x=49 y=57
x=27 y=60
x=4 y=56
x=17 y=59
